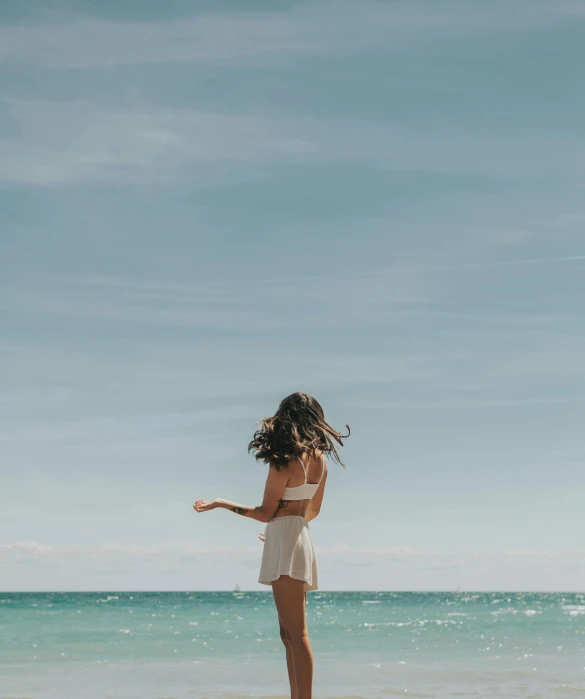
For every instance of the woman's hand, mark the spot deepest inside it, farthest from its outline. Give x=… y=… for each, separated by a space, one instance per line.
x=261 y=536
x=205 y=505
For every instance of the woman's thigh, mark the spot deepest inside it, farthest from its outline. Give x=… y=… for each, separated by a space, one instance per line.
x=290 y=599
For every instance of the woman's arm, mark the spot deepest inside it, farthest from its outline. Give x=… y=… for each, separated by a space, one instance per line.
x=257 y=513
x=275 y=485
x=310 y=514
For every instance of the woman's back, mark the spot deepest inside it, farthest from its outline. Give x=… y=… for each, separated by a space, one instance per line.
x=303 y=487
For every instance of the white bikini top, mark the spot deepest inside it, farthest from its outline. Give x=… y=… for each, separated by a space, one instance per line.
x=306 y=490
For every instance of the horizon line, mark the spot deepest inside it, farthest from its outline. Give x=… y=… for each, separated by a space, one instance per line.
x=395 y=591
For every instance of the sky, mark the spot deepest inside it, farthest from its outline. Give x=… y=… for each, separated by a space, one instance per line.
x=205 y=207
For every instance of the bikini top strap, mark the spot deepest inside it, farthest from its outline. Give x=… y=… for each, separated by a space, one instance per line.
x=304 y=469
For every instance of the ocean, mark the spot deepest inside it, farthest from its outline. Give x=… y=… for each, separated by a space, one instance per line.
x=175 y=645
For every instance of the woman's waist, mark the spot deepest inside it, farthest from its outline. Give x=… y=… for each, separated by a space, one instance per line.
x=280 y=518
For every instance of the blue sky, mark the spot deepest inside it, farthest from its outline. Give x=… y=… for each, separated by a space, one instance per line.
x=207 y=206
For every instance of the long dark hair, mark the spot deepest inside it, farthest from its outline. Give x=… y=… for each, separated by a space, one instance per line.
x=298 y=426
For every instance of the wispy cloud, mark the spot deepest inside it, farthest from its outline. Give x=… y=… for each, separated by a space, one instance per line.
x=78 y=141
x=570 y=7
x=446 y=268
x=398 y=568
x=235 y=304
x=21 y=403
x=35 y=549
x=116 y=431
x=508 y=263
x=443 y=268
x=186 y=313
x=55 y=143
x=301 y=31
x=403 y=274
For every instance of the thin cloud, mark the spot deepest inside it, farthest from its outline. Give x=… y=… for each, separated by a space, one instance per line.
x=34 y=549
x=145 y=285
x=446 y=268
x=269 y=37
x=512 y=263
x=119 y=567
x=61 y=143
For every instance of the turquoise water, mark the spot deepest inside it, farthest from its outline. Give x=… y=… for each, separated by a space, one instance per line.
x=226 y=644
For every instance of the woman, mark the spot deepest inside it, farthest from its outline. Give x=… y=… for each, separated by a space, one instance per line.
x=294 y=443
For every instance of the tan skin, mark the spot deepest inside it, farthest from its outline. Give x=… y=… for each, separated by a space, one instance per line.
x=289 y=594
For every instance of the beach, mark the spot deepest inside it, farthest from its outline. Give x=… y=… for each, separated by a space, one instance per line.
x=223 y=645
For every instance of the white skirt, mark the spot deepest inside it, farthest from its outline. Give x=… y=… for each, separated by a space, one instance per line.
x=288 y=550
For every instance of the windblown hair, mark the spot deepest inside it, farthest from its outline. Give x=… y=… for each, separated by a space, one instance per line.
x=297 y=427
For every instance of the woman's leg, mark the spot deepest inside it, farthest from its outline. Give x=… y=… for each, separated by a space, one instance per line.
x=290 y=599
x=289 y=664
